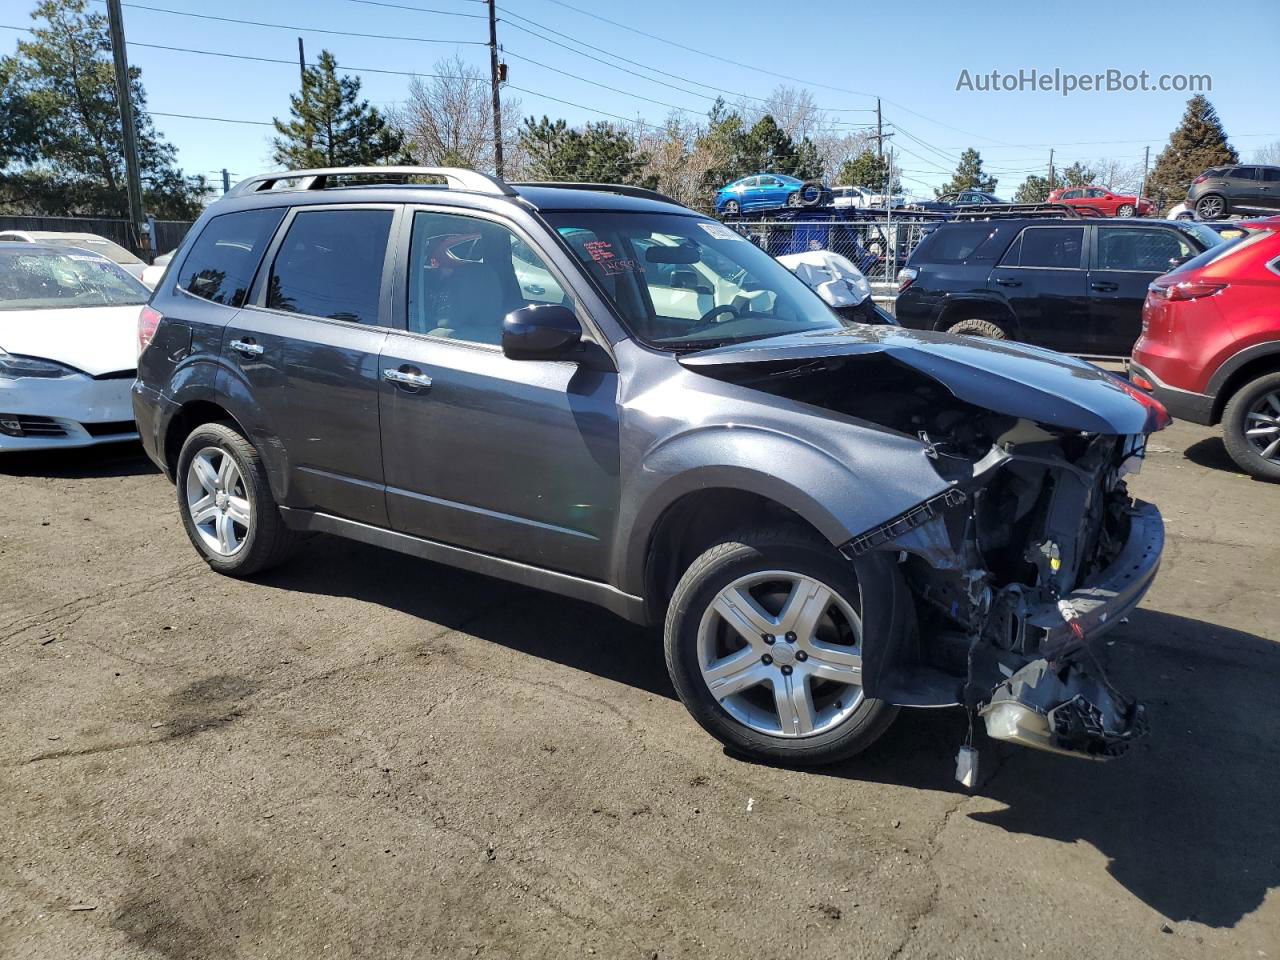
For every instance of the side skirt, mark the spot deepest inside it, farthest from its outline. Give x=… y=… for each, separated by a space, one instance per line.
x=592 y=591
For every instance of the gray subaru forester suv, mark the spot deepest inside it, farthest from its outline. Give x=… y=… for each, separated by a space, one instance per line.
x=596 y=391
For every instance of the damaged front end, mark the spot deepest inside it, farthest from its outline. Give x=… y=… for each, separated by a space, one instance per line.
x=1035 y=551
x=1032 y=551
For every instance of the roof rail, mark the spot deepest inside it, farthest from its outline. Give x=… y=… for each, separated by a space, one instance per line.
x=456 y=177
x=994 y=211
x=619 y=188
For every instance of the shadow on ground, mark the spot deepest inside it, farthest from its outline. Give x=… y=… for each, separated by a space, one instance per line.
x=109 y=460
x=1211 y=452
x=1187 y=819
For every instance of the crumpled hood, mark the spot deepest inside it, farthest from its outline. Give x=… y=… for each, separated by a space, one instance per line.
x=96 y=340
x=1009 y=378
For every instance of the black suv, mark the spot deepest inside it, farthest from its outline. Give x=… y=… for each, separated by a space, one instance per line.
x=599 y=392
x=1072 y=286
x=1248 y=188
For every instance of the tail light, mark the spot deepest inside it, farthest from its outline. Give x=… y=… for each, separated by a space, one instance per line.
x=148 y=320
x=1201 y=179
x=906 y=277
x=1186 y=290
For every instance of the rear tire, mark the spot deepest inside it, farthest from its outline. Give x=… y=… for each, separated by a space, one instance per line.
x=978 y=328
x=226 y=503
x=793 y=199
x=1255 y=407
x=1211 y=207
x=773 y=684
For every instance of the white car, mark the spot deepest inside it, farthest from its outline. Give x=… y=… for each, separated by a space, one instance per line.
x=841 y=285
x=152 y=274
x=1181 y=211
x=68 y=348
x=862 y=198
x=86 y=241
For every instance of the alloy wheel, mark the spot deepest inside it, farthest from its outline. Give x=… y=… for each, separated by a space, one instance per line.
x=218 y=502
x=1262 y=426
x=782 y=653
x=1210 y=208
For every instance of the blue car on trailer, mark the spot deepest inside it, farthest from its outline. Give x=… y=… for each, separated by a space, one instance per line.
x=763 y=191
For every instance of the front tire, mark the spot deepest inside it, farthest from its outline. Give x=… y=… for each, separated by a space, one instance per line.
x=793 y=199
x=1125 y=210
x=732 y=208
x=763 y=642
x=226 y=503
x=1251 y=427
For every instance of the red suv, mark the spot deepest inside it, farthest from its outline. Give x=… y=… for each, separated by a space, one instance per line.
x=1104 y=201
x=1210 y=345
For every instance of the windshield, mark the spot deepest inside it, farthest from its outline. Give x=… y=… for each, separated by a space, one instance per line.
x=688 y=283
x=44 y=279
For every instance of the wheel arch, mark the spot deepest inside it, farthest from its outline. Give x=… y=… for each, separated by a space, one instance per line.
x=953 y=311
x=190 y=415
x=1247 y=365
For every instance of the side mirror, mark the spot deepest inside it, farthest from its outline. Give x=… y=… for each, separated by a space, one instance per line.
x=546 y=331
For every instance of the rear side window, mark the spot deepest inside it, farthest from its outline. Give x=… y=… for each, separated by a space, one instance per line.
x=330 y=265
x=1055 y=247
x=1244 y=173
x=225 y=257
x=955 y=244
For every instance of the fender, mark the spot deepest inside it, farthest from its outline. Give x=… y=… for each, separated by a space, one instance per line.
x=841 y=493
x=987 y=299
x=1238 y=360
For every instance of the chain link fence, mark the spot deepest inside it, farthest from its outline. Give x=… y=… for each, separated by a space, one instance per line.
x=877 y=247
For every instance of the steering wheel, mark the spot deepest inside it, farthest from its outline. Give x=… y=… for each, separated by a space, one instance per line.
x=708 y=319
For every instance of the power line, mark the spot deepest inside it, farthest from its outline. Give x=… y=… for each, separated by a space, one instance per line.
x=582 y=106
x=597 y=83
x=192 y=116
x=285 y=26
x=404 y=6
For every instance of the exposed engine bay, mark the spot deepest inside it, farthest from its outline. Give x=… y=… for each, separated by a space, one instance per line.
x=1033 y=550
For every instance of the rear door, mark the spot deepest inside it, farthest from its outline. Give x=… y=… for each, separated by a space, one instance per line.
x=1270 y=191
x=1124 y=261
x=512 y=458
x=1043 y=277
x=306 y=348
x=1244 y=187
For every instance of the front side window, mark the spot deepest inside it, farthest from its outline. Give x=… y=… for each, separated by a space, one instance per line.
x=48 y=279
x=225 y=257
x=466 y=274
x=1271 y=174
x=689 y=283
x=1055 y=247
x=1149 y=250
x=330 y=265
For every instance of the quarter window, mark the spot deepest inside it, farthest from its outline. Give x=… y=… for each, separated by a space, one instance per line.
x=221 y=264
x=330 y=265
x=1148 y=250
x=1057 y=247
x=466 y=274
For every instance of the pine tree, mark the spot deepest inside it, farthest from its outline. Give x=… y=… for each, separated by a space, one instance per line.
x=60 y=121
x=968 y=175
x=1199 y=142
x=868 y=169
x=1034 y=189
x=598 y=153
x=332 y=126
x=1078 y=175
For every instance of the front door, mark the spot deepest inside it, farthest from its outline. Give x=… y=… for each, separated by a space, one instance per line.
x=1125 y=260
x=1042 y=277
x=512 y=458
x=307 y=351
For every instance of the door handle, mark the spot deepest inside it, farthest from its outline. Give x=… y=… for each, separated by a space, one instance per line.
x=247 y=347
x=1009 y=283
x=1105 y=286
x=406 y=378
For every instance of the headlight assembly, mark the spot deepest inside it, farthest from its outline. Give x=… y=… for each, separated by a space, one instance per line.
x=13 y=366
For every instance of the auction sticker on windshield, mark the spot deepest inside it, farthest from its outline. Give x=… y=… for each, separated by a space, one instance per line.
x=719 y=231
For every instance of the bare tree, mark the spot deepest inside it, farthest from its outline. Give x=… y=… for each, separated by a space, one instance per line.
x=681 y=159
x=449 y=120
x=1269 y=154
x=1119 y=176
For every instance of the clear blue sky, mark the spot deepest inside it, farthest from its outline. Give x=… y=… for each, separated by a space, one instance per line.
x=846 y=54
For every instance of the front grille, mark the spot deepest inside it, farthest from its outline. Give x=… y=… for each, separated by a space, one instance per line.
x=117 y=375
x=110 y=427
x=25 y=425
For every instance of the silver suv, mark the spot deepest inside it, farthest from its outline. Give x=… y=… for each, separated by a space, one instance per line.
x=596 y=391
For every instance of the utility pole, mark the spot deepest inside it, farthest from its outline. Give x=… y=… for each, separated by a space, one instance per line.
x=226 y=181
x=1051 y=169
x=494 y=80
x=1146 y=159
x=133 y=177
x=302 y=65
x=879 y=131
